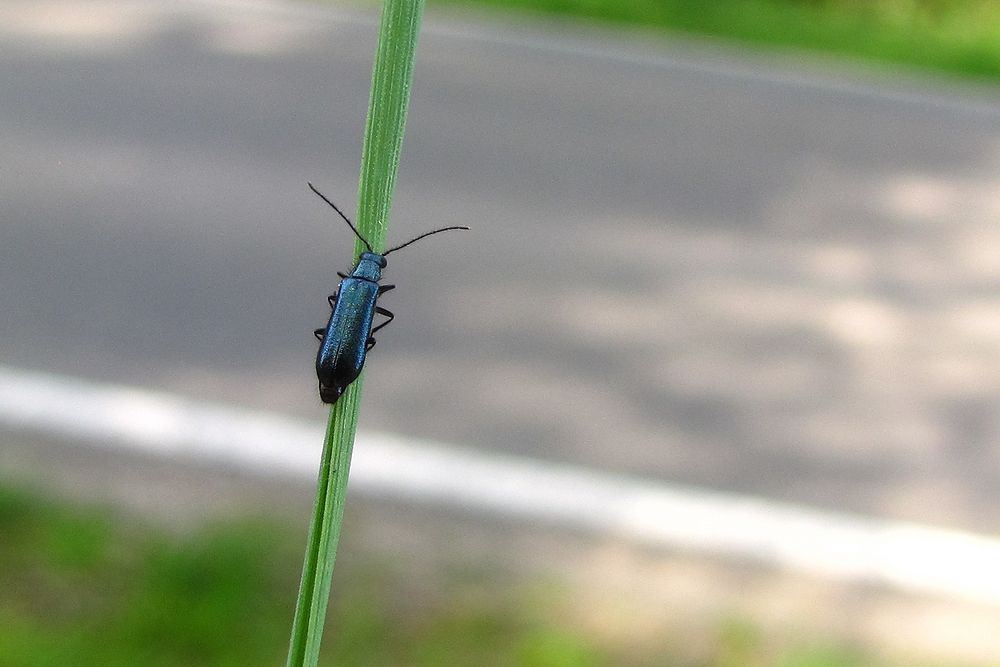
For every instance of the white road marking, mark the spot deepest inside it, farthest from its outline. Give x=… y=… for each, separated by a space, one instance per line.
x=854 y=549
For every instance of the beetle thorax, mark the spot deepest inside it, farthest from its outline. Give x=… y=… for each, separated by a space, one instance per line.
x=369 y=267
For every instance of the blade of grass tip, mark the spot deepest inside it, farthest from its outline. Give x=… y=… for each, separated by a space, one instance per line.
x=390 y=95
x=387 y=108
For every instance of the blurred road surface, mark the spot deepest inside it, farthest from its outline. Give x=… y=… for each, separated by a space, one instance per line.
x=686 y=263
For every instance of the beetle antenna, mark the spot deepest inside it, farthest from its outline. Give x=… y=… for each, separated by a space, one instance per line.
x=349 y=223
x=443 y=229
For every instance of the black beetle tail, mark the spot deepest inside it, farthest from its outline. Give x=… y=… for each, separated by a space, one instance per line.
x=330 y=394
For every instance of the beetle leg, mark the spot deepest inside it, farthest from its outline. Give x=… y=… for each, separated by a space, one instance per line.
x=332 y=299
x=342 y=274
x=382 y=311
x=370 y=344
x=319 y=334
x=385 y=288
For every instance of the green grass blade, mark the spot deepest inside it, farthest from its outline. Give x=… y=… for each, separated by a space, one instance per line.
x=324 y=533
x=387 y=107
x=390 y=95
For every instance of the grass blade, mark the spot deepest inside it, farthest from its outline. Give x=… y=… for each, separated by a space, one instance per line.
x=387 y=107
x=390 y=95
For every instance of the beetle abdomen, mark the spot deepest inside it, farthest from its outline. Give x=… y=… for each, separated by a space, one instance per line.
x=342 y=353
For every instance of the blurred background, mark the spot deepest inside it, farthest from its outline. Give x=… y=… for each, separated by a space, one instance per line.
x=744 y=253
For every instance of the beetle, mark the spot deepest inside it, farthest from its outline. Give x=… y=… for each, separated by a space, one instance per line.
x=348 y=336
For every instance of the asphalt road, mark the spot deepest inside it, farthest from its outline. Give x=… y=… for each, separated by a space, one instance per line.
x=688 y=263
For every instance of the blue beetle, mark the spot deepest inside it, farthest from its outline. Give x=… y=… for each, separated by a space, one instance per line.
x=348 y=335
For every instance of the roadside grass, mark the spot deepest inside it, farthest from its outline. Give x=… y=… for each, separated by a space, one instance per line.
x=85 y=586
x=956 y=36
x=392 y=76
x=80 y=588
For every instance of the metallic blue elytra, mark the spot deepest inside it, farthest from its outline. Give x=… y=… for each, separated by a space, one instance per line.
x=348 y=336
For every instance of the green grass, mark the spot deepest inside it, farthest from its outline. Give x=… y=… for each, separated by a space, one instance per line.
x=78 y=587
x=392 y=76
x=956 y=36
